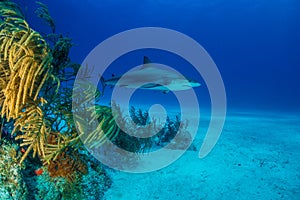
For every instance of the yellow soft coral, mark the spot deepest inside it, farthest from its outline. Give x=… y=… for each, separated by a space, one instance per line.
x=25 y=67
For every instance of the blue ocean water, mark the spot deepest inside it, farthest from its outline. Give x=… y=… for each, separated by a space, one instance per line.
x=255 y=45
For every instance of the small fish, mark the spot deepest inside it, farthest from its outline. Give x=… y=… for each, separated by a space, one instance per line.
x=38 y=172
x=23 y=150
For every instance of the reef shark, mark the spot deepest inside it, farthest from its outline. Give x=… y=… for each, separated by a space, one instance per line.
x=156 y=78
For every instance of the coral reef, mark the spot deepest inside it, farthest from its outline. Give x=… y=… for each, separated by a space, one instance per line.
x=25 y=67
x=56 y=186
x=69 y=165
x=12 y=185
x=31 y=95
x=162 y=138
x=18 y=183
x=41 y=154
x=36 y=83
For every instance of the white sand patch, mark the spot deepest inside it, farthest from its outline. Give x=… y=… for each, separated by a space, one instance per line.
x=256 y=158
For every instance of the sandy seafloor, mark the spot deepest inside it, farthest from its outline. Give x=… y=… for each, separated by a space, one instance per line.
x=256 y=157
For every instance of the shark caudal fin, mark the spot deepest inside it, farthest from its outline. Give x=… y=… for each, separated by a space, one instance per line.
x=103 y=85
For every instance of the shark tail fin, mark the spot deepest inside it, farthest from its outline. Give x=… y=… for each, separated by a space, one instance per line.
x=103 y=85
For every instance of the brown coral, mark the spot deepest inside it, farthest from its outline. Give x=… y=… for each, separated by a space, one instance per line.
x=68 y=165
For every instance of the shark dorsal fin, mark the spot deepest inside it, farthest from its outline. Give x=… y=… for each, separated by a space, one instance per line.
x=146 y=60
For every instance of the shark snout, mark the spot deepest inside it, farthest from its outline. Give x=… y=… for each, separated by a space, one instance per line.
x=194 y=83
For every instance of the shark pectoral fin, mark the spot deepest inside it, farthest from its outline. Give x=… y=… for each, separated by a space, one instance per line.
x=150 y=85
